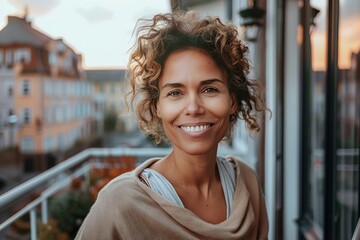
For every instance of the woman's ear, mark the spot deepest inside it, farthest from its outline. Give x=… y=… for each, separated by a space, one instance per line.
x=158 y=114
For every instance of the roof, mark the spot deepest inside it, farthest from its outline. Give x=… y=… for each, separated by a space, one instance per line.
x=105 y=74
x=20 y=31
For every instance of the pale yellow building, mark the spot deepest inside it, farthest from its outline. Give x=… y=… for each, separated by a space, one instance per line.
x=52 y=100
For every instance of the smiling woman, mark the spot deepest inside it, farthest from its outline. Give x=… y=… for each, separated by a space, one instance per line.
x=191 y=77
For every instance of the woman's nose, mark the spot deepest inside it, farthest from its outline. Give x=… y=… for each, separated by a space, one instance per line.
x=194 y=105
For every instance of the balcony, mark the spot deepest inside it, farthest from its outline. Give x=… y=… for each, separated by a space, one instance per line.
x=69 y=174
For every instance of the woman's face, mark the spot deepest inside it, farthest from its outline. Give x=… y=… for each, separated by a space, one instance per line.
x=194 y=103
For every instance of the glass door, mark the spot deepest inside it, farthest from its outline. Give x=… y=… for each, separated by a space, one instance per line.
x=331 y=93
x=348 y=123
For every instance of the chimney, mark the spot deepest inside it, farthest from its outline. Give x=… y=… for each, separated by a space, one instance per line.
x=26 y=14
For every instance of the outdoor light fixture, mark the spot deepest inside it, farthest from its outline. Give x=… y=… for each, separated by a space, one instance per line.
x=252 y=21
x=313 y=13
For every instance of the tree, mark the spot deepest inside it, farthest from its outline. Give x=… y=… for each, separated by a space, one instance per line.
x=110 y=121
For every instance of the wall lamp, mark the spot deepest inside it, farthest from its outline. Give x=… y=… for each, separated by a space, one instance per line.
x=252 y=21
x=313 y=13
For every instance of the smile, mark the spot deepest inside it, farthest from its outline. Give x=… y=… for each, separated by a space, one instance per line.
x=195 y=129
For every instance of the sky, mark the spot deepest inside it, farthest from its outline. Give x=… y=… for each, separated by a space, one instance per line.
x=100 y=30
x=349 y=33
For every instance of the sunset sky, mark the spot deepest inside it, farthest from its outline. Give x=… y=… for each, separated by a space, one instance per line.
x=86 y=25
x=349 y=33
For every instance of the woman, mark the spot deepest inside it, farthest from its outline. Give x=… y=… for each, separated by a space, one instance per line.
x=191 y=79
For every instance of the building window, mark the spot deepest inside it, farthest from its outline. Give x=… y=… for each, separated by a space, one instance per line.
x=8 y=57
x=48 y=145
x=46 y=88
x=26 y=116
x=53 y=59
x=27 y=144
x=65 y=116
x=58 y=88
x=63 y=86
x=48 y=115
x=54 y=114
x=26 y=87
x=61 y=143
x=60 y=115
x=10 y=91
x=68 y=63
x=22 y=55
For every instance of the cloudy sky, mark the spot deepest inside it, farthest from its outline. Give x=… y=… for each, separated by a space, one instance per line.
x=101 y=30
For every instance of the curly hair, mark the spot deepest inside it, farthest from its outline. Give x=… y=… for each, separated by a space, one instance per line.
x=166 y=33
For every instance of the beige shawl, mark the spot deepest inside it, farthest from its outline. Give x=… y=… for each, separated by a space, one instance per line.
x=126 y=208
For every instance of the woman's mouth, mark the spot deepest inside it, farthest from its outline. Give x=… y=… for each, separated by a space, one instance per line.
x=195 y=129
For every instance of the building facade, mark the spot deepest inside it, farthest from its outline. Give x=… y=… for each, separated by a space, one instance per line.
x=110 y=89
x=50 y=97
x=8 y=119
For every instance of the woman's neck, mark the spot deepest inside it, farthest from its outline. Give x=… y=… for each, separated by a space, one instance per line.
x=189 y=171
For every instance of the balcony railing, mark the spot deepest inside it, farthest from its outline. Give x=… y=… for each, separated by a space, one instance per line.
x=60 y=176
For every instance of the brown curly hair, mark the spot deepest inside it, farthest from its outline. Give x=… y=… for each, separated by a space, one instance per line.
x=166 y=33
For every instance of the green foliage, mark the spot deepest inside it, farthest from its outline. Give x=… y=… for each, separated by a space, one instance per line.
x=69 y=209
x=50 y=231
x=110 y=121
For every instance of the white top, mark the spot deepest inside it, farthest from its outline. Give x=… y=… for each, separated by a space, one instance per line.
x=163 y=187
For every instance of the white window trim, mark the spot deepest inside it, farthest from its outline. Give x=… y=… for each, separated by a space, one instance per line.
x=23 y=84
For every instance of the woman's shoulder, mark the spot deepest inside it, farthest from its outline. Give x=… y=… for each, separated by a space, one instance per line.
x=124 y=180
x=238 y=163
x=117 y=187
x=244 y=172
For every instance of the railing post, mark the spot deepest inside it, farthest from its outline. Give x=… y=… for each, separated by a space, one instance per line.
x=87 y=174
x=44 y=211
x=33 y=227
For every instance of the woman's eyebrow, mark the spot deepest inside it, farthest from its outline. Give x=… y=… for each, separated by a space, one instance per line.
x=210 y=81
x=203 y=82
x=172 y=85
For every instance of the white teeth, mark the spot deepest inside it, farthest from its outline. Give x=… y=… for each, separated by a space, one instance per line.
x=193 y=129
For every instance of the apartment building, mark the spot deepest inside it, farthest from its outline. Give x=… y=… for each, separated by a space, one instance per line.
x=50 y=97
x=110 y=88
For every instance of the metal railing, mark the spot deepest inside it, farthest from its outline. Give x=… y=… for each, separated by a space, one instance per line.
x=62 y=178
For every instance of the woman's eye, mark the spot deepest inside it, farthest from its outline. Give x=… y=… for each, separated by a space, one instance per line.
x=210 y=90
x=174 y=93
